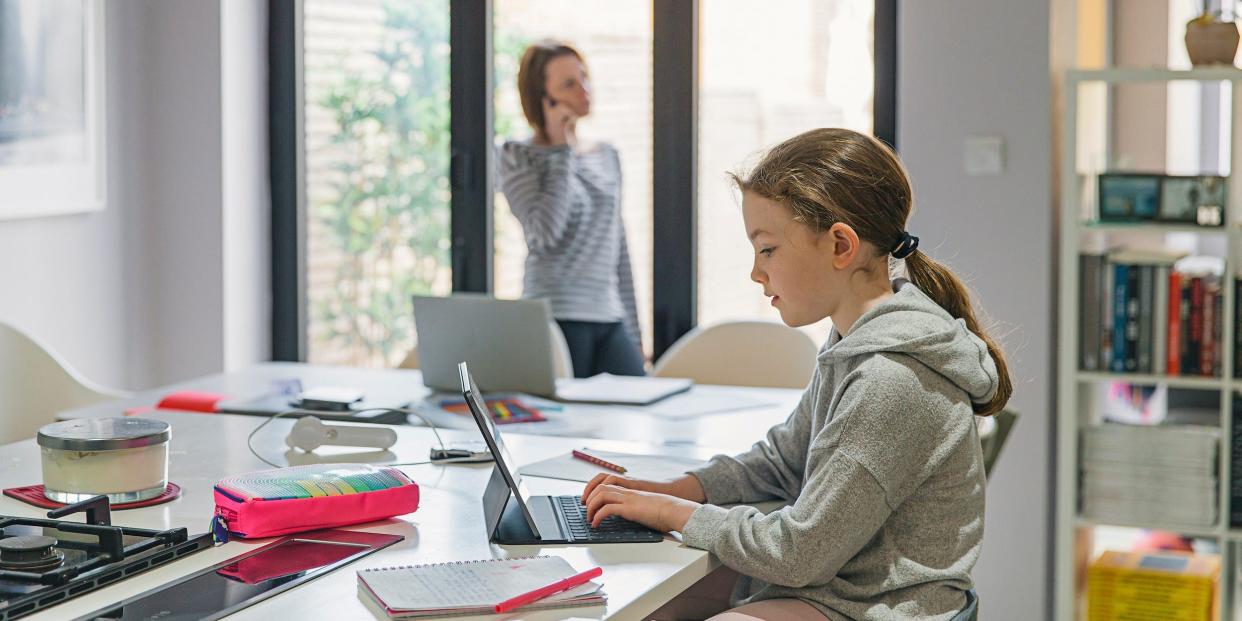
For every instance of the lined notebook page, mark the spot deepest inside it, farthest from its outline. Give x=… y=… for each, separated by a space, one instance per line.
x=471 y=584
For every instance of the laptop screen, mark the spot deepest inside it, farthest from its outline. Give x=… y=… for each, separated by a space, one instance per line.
x=496 y=497
x=507 y=342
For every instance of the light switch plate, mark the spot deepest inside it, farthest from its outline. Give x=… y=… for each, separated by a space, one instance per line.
x=985 y=155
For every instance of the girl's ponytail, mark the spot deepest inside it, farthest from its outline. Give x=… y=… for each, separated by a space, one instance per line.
x=947 y=291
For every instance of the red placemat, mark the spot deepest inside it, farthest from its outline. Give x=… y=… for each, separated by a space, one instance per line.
x=33 y=495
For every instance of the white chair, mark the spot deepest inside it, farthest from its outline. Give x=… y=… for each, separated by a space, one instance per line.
x=36 y=383
x=561 y=361
x=993 y=431
x=742 y=353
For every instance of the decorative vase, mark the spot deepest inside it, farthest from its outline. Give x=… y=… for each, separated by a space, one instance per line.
x=1211 y=43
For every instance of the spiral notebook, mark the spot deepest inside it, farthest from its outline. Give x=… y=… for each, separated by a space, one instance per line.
x=471 y=587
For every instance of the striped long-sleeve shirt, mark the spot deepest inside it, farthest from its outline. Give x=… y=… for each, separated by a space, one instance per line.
x=569 y=205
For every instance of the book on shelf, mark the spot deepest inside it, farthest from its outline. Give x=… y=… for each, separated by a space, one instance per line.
x=1150 y=312
x=1235 y=466
x=1237 y=328
x=1090 y=282
x=1168 y=585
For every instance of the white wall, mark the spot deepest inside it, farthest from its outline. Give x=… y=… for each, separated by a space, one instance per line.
x=246 y=206
x=184 y=180
x=135 y=295
x=971 y=67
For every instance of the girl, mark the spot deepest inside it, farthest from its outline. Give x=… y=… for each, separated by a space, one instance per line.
x=881 y=460
x=567 y=197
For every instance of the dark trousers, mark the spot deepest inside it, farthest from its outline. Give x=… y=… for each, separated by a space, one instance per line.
x=598 y=348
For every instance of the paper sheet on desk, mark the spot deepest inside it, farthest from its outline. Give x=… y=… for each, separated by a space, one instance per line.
x=607 y=388
x=703 y=402
x=650 y=467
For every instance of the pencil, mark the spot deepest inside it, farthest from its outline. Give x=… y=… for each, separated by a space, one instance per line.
x=556 y=587
x=599 y=462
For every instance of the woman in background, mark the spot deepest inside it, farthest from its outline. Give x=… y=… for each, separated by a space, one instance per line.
x=567 y=196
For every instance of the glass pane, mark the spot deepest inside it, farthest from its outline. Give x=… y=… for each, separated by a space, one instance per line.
x=615 y=39
x=376 y=82
x=765 y=76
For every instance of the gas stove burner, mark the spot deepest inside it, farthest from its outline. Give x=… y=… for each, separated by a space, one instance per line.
x=32 y=553
x=44 y=562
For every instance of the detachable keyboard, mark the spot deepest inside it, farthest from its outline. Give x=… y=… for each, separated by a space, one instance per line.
x=612 y=530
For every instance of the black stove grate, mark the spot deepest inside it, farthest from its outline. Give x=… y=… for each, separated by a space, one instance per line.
x=94 y=553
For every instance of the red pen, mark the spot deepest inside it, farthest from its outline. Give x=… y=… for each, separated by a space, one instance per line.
x=555 y=587
x=599 y=462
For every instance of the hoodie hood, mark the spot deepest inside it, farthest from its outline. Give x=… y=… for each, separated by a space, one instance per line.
x=911 y=323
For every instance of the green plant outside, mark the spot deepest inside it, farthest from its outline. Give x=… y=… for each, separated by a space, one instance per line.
x=388 y=210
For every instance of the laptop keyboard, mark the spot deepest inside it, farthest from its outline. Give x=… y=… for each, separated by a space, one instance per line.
x=612 y=530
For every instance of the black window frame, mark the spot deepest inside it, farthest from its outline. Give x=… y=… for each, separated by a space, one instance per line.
x=674 y=143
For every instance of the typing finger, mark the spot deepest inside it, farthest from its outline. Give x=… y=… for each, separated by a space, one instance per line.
x=595 y=500
x=595 y=481
x=603 y=478
x=607 y=511
x=603 y=495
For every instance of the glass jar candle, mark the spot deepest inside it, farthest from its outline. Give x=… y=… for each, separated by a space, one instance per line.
x=125 y=458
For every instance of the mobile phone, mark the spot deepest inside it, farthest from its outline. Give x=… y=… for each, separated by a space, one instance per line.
x=465 y=452
x=330 y=399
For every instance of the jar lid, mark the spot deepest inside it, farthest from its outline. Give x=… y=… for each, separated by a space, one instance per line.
x=103 y=434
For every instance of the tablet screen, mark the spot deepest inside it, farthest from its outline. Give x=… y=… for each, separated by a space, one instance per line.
x=494 y=503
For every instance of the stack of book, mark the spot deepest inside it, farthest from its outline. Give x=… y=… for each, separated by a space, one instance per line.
x=1237 y=328
x=1162 y=474
x=1172 y=586
x=1151 y=312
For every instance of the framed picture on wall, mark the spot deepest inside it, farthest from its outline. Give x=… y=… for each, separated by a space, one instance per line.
x=51 y=107
x=1179 y=199
x=1129 y=197
x=1198 y=199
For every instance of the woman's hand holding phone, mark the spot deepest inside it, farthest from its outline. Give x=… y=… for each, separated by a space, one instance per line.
x=559 y=122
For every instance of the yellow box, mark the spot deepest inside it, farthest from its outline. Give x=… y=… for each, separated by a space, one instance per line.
x=1153 y=586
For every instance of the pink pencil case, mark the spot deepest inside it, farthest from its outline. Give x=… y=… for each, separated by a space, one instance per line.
x=300 y=498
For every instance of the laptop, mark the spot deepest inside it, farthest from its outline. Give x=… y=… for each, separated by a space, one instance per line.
x=509 y=342
x=514 y=517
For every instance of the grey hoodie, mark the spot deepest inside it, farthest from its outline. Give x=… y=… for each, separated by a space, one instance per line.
x=882 y=464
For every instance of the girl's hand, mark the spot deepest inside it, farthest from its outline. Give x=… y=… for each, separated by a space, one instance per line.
x=559 y=123
x=686 y=487
x=658 y=511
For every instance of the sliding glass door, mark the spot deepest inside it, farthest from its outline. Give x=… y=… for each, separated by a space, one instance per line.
x=376 y=80
x=767 y=75
x=382 y=128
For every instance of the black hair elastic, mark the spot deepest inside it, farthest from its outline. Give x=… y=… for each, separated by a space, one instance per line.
x=905 y=246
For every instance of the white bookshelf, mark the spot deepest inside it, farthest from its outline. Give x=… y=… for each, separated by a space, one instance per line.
x=1077 y=389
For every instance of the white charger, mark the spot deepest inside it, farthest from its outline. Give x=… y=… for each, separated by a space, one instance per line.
x=310 y=433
